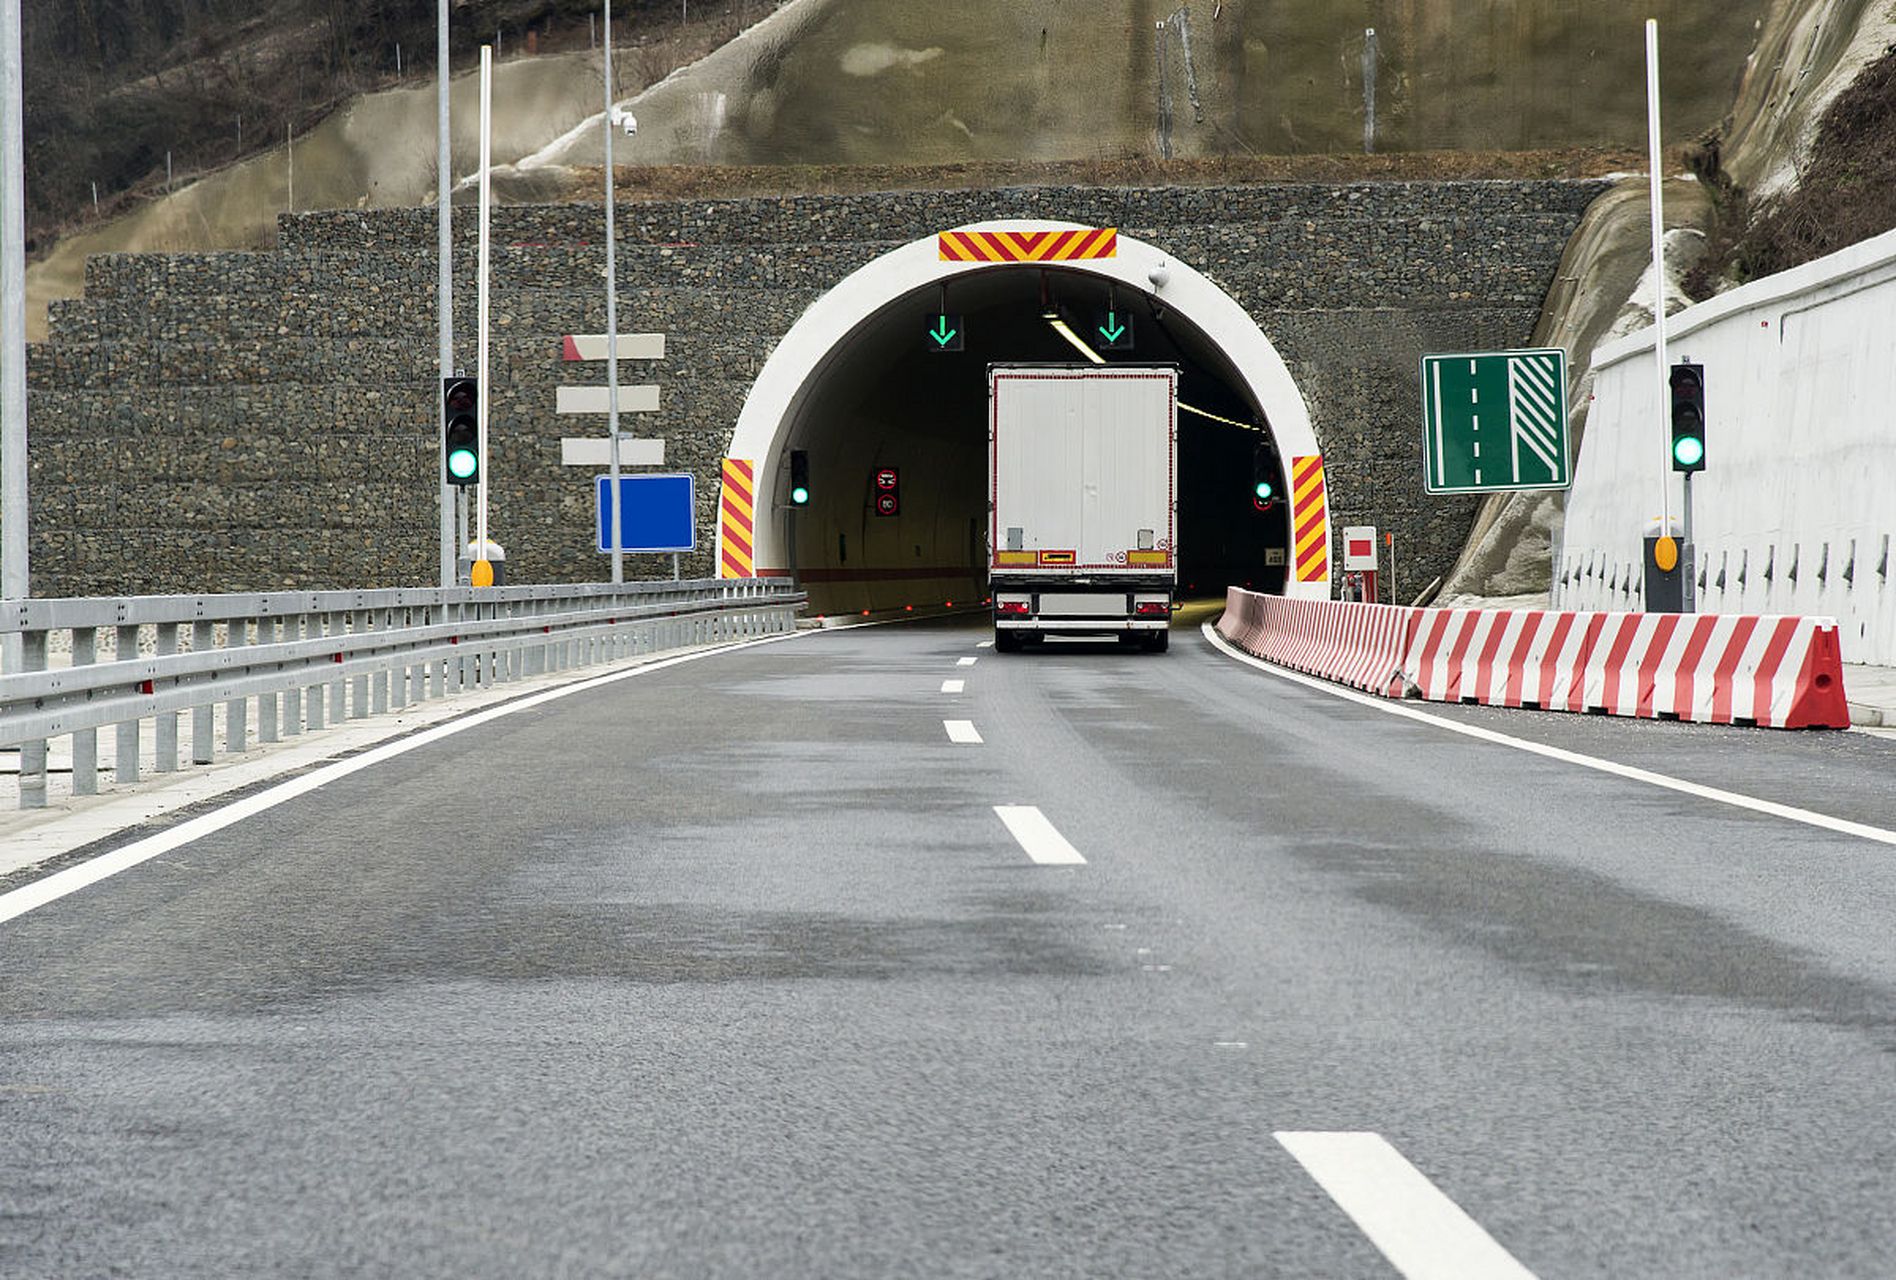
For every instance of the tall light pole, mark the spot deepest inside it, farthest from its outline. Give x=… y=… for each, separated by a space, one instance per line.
x=444 y=286
x=14 y=579
x=1656 y=178
x=612 y=334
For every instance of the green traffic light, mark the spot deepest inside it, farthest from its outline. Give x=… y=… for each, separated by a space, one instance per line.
x=800 y=496
x=463 y=463
x=1688 y=451
x=1263 y=490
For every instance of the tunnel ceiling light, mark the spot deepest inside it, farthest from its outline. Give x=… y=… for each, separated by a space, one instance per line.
x=1065 y=330
x=1079 y=344
x=1229 y=422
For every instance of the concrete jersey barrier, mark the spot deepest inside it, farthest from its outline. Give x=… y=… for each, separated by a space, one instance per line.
x=1778 y=672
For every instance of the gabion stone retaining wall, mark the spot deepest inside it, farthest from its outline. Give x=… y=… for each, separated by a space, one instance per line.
x=257 y=421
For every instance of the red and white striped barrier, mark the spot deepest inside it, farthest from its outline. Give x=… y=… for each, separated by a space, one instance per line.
x=1360 y=645
x=1782 y=672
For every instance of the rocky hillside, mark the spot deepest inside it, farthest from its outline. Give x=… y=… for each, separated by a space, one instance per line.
x=116 y=88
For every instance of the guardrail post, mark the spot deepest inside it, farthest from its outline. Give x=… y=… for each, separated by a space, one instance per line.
x=333 y=625
x=314 y=704
x=293 y=697
x=167 y=724
x=203 y=726
x=393 y=619
x=438 y=669
x=128 y=733
x=382 y=679
x=266 y=702
x=418 y=672
x=85 y=742
x=33 y=754
x=237 y=710
x=359 y=687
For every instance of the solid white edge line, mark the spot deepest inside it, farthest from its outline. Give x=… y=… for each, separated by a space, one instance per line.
x=953 y=686
x=1037 y=836
x=61 y=883
x=1771 y=808
x=961 y=731
x=1424 y=1234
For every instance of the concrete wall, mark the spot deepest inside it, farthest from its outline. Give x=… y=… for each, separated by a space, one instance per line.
x=1796 y=508
x=255 y=421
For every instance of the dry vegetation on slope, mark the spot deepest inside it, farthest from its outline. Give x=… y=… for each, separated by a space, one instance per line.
x=1845 y=191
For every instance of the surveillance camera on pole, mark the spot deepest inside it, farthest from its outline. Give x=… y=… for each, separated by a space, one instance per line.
x=627 y=121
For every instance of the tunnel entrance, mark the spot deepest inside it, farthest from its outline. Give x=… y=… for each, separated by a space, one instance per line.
x=868 y=397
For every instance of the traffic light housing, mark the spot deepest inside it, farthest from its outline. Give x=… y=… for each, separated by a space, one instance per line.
x=460 y=418
x=1688 y=417
x=799 y=478
x=888 y=491
x=1263 y=477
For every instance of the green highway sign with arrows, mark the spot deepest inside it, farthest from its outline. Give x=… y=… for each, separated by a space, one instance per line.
x=1494 y=421
x=944 y=332
x=1112 y=330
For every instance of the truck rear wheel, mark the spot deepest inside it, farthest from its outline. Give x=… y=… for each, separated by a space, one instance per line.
x=1006 y=642
x=1158 y=641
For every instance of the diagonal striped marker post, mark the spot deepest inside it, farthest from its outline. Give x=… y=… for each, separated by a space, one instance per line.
x=737 y=519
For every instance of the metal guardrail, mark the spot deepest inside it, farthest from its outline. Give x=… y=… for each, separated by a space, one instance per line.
x=311 y=658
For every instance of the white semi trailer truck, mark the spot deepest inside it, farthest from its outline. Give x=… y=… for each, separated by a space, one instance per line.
x=1082 y=502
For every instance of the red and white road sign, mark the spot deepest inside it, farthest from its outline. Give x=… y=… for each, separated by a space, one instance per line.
x=1359 y=547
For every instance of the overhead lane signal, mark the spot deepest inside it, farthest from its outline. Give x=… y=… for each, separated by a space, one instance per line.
x=945 y=332
x=1112 y=330
x=460 y=409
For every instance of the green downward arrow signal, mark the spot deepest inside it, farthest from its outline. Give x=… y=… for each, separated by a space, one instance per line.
x=1112 y=330
x=941 y=333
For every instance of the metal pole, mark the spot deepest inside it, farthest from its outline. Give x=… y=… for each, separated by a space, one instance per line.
x=289 y=163
x=1687 y=556
x=14 y=579
x=612 y=335
x=487 y=131
x=444 y=286
x=1369 y=94
x=1658 y=274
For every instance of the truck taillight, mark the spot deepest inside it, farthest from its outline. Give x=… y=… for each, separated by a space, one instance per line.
x=1152 y=609
x=1011 y=608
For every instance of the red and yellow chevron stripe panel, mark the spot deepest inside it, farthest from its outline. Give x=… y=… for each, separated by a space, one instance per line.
x=1028 y=246
x=1309 y=520
x=737 y=519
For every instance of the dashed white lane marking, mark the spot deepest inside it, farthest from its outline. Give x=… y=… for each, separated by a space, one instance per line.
x=1423 y=1233
x=985 y=644
x=74 y=878
x=1037 y=836
x=966 y=662
x=953 y=686
x=1771 y=807
x=961 y=731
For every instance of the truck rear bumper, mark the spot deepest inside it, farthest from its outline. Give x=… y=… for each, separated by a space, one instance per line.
x=1082 y=626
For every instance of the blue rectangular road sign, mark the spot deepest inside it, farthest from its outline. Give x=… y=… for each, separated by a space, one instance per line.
x=655 y=513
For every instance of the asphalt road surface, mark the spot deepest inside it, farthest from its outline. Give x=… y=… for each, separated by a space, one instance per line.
x=807 y=960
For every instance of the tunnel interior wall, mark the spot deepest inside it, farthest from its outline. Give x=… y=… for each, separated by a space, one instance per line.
x=257 y=421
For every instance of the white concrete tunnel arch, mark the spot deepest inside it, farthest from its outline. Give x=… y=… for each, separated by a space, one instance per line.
x=769 y=411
